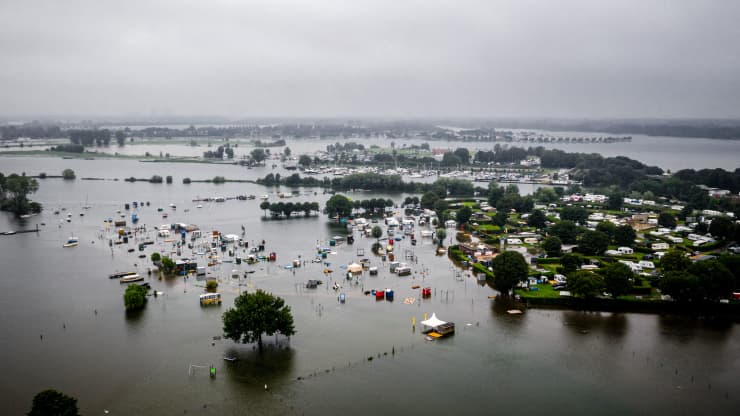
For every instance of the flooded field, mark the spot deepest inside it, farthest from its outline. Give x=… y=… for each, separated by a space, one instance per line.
x=65 y=327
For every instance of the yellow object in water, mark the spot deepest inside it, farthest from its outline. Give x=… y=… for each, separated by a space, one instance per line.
x=434 y=335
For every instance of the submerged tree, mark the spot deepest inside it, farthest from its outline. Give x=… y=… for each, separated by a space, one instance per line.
x=52 y=402
x=255 y=314
x=509 y=268
x=135 y=297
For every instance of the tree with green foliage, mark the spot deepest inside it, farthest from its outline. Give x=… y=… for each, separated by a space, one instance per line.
x=716 y=281
x=14 y=191
x=68 y=174
x=666 y=219
x=593 y=243
x=625 y=236
x=577 y=214
x=264 y=205
x=440 y=206
x=585 y=284
x=495 y=193
x=545 y=195
x=681 y=286
x=304 y=160
x=211 y=285
x=566 y=231
x=722 y=228
x=509 y=268
x=338 y=206
x=463 y=214
x=168 y=265
x=608 y=228
x=571 y=262
x=552 y=246
x=376 y=232
x=615 y=202
x=258 y=155
x=618 y=279
x=675 y=261
x=156 y=257
x=255 y=314
x=441 y=234
x=537 y=219
x=53 y=403
x=451 y=159
x=135 y=297
x=120 y=137
x=500 y=218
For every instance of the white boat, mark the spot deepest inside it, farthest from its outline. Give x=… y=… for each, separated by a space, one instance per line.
x=72 y=242
x=264 y=197
x=132 y=278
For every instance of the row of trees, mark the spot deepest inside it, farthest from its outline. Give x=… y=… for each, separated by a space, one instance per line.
x=219 y=153
x=90 y=137
x=288 y=208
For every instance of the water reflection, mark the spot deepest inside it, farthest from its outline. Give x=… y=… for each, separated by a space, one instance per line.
x=685 y=329
x=253 y=369
x=500 y=309
x=612 y=324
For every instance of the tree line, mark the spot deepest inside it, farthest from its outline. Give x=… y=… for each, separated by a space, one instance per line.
x=287 y=209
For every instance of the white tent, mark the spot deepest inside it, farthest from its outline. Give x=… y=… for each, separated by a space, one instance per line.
x=433 y=321
x=354 y=268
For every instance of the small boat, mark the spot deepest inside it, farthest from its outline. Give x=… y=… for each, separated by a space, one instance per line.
x=132 y=278
x=264 y=197
x=118 y=275
x=230 y=359
x=72 y=242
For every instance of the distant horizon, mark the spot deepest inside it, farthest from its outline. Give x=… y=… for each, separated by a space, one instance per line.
x=203 y=119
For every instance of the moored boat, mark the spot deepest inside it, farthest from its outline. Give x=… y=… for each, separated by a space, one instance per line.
x=118 y=275
x=132 y=278
x=72 y=242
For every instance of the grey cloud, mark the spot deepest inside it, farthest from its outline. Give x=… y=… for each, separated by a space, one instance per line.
x=371 y=58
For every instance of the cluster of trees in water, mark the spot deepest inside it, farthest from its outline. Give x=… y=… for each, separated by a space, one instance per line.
x=287 y=209
x=14 y=191
x=219 y=152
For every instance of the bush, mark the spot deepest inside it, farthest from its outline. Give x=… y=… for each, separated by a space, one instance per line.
x=156 y=257
x=186 y=181
x=219 y=179
x=68 y=174
x=135 y=297
x=169 y=179
x=211 y=285
x=155 y=179
x=52 y=402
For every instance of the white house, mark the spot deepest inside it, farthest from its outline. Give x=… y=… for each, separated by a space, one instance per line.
x=646 y=264
x=659 y=246
x=513 y=241
x=625 y=250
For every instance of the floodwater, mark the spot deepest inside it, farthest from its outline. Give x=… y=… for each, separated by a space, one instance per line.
x=669 y=153
x=65 y=327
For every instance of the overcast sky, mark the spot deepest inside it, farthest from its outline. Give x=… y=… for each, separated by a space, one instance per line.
x=394 y=58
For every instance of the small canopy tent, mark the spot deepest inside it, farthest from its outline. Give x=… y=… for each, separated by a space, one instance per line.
x=354 y=268
x=433 y=322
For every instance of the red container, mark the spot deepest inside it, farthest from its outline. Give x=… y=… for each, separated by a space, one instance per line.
x=426 y=292
x=379 y=294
